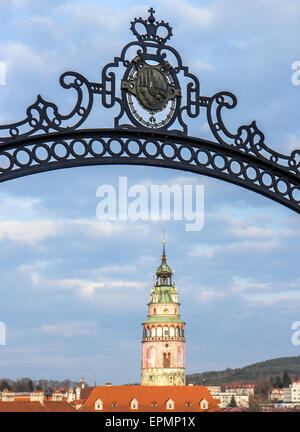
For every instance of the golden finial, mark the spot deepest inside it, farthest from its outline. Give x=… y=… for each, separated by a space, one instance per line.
x=164 y=249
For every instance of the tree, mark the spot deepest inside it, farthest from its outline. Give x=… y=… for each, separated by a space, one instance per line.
x=277 y=382
x=232 y=402
x=30 y=385
x=23 y=385
x=4 y=385
x=286 y=381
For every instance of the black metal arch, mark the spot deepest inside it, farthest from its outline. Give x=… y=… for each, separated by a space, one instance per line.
x=47 y=140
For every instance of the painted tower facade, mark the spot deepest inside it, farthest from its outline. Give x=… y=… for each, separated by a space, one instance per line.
x=163 y=356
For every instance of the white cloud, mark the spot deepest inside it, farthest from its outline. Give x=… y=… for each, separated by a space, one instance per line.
x=10 y=206
x=200 y=66
x=241 y=285
x=204 y=251
x=252 y=232
x=70 y=329
x=27 y=232
x=208 y=294
x=292 y=141
x=32 y=232
x=200 y=18
x=242 y=247
x=108 y=290
x=267 y=293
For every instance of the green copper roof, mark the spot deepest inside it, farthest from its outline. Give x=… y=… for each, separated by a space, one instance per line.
x=163 y=319
x=165 y=297
x=164 y=292
x=164 y=268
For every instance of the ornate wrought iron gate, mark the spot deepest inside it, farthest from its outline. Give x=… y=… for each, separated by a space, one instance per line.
x=150 y=127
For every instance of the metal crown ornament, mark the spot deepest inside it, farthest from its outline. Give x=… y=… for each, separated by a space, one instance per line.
x=152 y=29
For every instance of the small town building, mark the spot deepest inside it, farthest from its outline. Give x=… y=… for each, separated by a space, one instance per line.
x=276 y=395
x=242 y=401
x=240 y=388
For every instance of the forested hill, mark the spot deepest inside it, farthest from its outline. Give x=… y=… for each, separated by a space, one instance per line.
x=264 y=369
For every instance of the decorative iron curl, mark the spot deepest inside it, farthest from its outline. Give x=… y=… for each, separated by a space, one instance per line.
x=44 y=116
x=248 y=138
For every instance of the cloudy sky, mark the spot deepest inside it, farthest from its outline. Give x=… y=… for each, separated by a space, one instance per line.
x=73 y=289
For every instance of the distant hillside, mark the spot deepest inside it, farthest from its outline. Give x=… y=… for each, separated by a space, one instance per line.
x=264 y=369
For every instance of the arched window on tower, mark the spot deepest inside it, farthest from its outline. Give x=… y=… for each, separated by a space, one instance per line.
x=166 y=331
x=167 y=360
x=153 y=331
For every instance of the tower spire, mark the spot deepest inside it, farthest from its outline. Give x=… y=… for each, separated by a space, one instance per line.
x=164 y=257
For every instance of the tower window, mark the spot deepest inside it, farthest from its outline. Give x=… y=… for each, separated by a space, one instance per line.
x=167 y=360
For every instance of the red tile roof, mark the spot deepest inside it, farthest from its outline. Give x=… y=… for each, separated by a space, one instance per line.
x=240 y=384
x=58 y=406
x=280 y=390
x=21 y=407
x=117 y=398
x=48 y=406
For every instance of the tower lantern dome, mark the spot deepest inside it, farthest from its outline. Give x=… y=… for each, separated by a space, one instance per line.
x=164 y=268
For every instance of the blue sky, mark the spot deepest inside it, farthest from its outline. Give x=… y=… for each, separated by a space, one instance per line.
x=74 y=290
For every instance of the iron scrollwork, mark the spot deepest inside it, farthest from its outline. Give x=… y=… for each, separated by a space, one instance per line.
x=154 y=104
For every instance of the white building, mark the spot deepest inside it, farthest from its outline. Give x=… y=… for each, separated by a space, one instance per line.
x=214 y=389
x=11 y=396
x=291 y=394
x=240 y=389
x=242 y=401
x=276 y=395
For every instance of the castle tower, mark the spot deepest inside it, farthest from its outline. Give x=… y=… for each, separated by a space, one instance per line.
x=163 y=357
